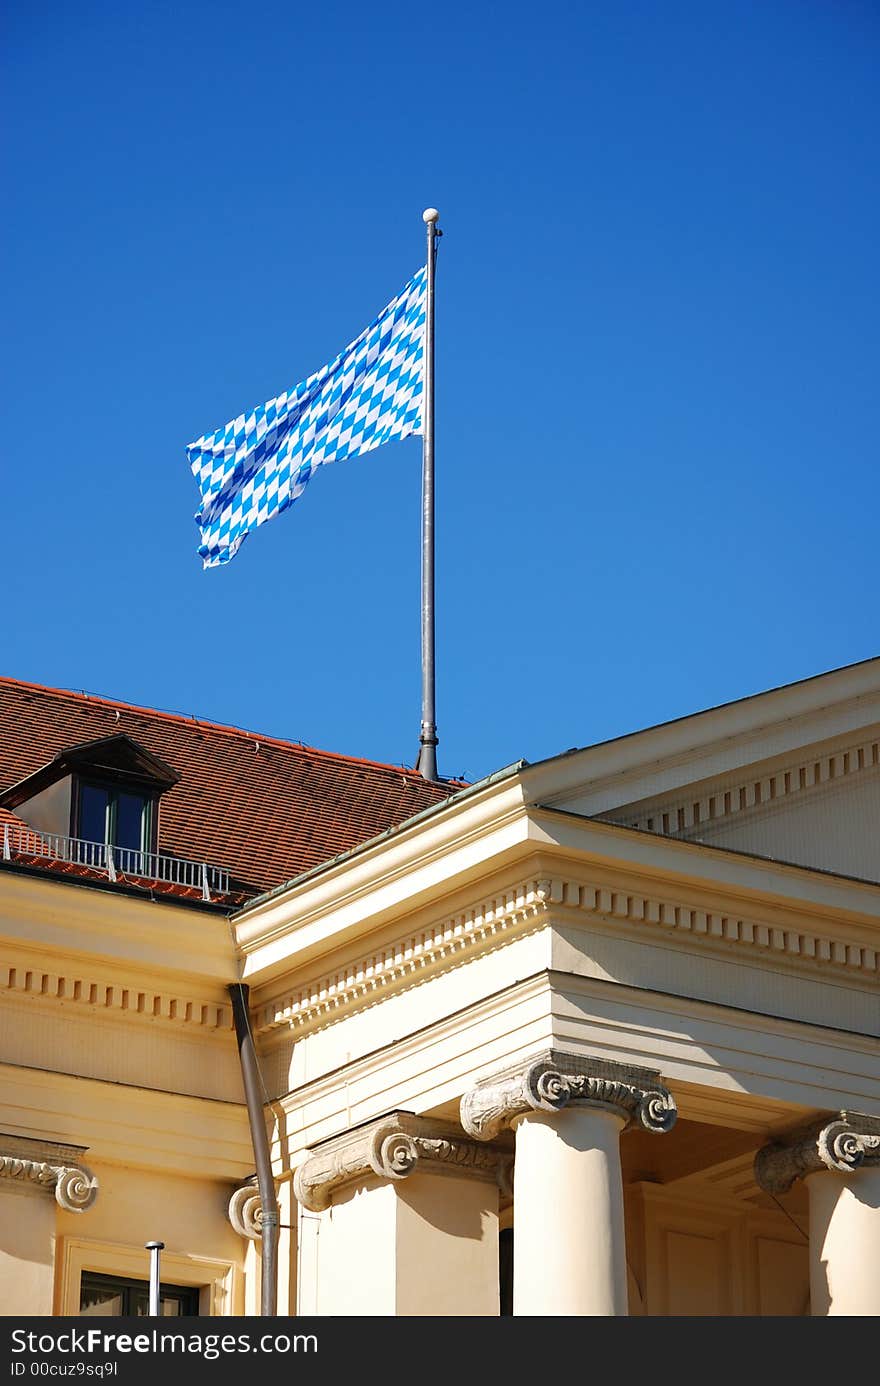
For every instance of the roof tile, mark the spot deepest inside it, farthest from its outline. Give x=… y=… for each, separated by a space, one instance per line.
x=262 y=808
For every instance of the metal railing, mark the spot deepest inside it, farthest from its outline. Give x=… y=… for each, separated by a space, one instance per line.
x=114 y=861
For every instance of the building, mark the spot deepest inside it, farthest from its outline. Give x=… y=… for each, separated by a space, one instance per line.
x=596 y=1035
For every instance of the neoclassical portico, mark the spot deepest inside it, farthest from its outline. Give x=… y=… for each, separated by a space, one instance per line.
x=559 y=964
x=473 y=1009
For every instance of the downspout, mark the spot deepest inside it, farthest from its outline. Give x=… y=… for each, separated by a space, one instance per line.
x=265 y=1182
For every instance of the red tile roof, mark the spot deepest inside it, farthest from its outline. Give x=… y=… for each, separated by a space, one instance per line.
x=263 y=809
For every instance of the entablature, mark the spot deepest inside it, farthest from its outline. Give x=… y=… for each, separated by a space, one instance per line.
x=323 y=935
x=81 y=984
x=703 y=805
x=699 y=919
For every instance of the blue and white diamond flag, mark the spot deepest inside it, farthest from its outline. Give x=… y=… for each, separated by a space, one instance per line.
x=261 y=462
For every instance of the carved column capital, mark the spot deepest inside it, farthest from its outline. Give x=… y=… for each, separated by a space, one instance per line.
x=393 y=1147
x=52 y=1167
x=554 y=1080
x=245 y=1211
x=842 y=1142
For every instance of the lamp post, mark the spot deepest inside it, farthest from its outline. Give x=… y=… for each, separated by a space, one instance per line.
x=154 y=1248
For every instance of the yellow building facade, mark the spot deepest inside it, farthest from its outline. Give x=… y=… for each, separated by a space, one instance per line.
x=593 y=1036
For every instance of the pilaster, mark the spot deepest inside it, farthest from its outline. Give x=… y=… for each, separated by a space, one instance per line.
x=48 y=1176
x=393 y=1148
x=50 y=1167
x=400 y=1216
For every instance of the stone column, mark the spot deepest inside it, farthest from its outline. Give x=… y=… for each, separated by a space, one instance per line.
x=568 y=1112
x=839 y=1160
x=408 y=1221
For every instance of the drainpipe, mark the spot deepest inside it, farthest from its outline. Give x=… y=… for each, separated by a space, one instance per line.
x=265 y=1182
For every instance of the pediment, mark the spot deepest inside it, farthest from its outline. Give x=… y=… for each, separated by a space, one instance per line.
x=791 y=775
x=820 y=808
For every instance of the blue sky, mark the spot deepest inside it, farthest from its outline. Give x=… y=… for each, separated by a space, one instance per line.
x=657 y=357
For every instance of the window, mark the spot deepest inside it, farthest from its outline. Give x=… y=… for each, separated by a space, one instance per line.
x=103 y=794
x=89 y=1266
x=111 y=1296
x=505 y=1269
x=107 y=814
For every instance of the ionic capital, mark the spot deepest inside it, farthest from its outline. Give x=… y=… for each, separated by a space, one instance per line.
x=554 y=1080
x=392 y=1148
x=51 y=1167
x=842 y=1143
x=245 y=1212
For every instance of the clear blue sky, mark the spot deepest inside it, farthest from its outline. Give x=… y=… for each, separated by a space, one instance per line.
x=657 y=361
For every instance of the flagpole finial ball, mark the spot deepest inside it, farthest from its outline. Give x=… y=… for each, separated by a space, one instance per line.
x=430 y=214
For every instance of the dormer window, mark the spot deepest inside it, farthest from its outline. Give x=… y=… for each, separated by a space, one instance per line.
x=101 y=794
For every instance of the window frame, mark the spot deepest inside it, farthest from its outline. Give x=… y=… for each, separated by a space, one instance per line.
x=220 y=1283
x=125 y=1285
x=113 y=788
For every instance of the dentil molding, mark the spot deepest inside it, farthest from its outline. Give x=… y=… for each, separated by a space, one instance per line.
x=405 y=961
x=530 y=905
x=682 y=813
x=554 y=1080
x=842 y=1143
x=392 y=1148
x=33 y=981
x=50 y=1167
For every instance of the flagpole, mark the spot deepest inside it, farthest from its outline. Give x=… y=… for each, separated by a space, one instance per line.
x=427 y=761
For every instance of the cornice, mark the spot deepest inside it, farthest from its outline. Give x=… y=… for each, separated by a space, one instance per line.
x=841 y=1144
x=494 y=922
x=744 y=930
x=392 y=1148
x=570 y=842
x=50 y=1167
x=701 y=745
x=113 y=997
x=389 y=877
x=673 y=815
x=555 y=1080
x=450 y=941
x=118 y=929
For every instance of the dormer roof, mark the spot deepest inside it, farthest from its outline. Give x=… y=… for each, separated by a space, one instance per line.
x=118 y=758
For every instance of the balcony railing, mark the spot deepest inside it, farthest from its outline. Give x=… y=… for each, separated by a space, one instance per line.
x=115 y=861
